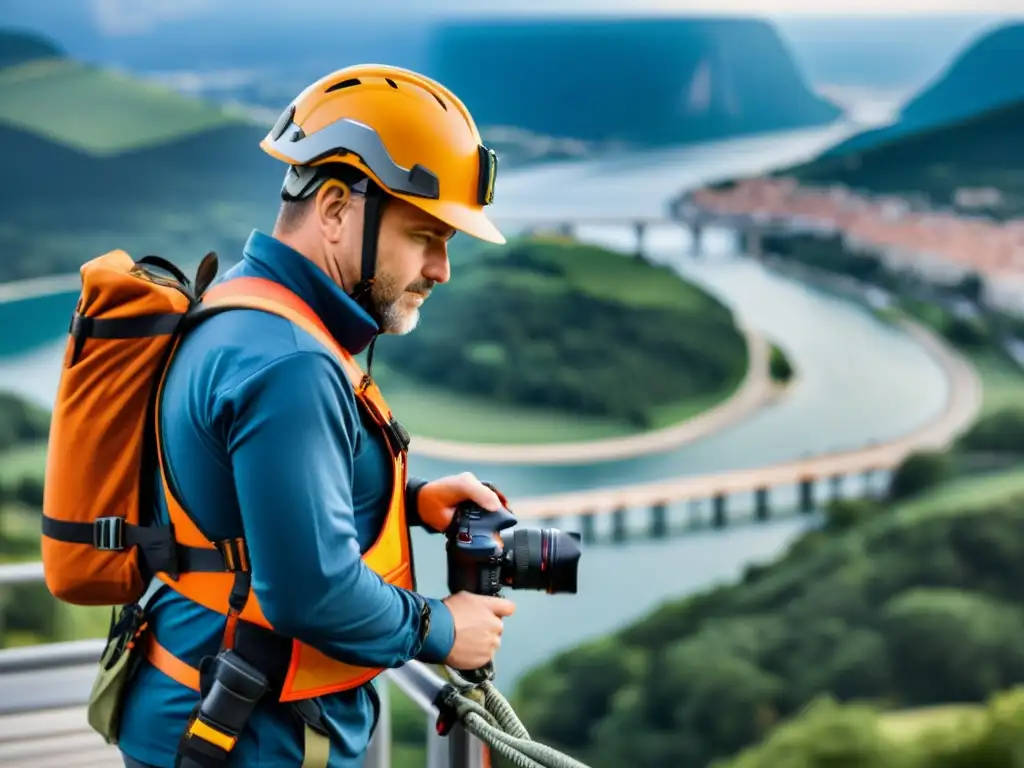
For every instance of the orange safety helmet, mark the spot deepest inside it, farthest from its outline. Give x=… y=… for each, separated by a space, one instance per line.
x=408 y=134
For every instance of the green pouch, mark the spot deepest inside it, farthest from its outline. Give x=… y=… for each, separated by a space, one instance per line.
x=119 y=659
x=126 y=644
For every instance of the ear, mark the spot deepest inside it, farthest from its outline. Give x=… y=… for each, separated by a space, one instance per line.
x=331 y=200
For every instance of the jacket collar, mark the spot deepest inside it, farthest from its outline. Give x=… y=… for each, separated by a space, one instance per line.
x=350 y=324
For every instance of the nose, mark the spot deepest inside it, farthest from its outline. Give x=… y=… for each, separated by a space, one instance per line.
x=438 y=268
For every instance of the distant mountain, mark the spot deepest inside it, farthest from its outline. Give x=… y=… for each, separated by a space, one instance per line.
x=640 y=81
x=178 y=199
x=976 y=164
x=986 y=75
x=20 y=47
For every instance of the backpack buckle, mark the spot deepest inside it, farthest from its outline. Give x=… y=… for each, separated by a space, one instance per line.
x=108 y=533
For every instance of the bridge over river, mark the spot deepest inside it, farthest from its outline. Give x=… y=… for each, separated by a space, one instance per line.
x=962 y=407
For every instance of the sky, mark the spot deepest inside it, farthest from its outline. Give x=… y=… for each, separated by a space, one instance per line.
x=126 y=17
x=911 y=40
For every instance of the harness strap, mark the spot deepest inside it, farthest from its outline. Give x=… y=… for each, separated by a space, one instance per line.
x=316 y=745
x=171 y=665
x=214 y=744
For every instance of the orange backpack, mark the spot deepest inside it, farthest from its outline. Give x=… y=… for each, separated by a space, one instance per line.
x=101 y=447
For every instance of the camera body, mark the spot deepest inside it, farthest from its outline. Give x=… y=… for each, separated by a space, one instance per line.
x=482 y=561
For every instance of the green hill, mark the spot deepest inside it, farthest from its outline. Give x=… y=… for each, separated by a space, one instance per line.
x=979 y=152
x=981 y=78
x=97 y=160
x=98 y=111
x=901 y=605
x=545 y=340
x=21 y=46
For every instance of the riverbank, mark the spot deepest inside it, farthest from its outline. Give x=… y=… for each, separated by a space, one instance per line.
x=961 y=409
x=1000 y=371
x=755 y=391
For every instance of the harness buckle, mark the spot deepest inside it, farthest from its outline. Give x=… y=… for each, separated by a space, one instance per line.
x=108 y=533
x=235 y=554
x=398 y=436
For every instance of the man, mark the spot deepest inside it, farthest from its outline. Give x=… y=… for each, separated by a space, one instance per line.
x=263 y=436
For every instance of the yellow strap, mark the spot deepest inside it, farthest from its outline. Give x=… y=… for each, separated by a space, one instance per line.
x=212 y=735
x=316 y=749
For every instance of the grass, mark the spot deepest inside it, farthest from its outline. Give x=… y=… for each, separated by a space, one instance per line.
x=1002 y=382
x=907 y=725
x=98 y=111
x=436 y=413
x=605 y=274
x=971 y=491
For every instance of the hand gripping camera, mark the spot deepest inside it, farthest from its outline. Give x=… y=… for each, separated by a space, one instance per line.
x=482 y=561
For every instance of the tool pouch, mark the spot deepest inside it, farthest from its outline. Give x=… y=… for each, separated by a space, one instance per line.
x=124 y=649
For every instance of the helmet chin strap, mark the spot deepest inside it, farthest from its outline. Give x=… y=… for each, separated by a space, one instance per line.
x=373 y=210
x=301 y=182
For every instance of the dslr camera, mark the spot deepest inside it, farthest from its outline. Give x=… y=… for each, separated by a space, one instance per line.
x=482 y=561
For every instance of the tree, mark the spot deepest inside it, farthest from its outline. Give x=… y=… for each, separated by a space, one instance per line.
x=918 y=472
x=969 y=333
x=558 y=706
x=843 y=514
x=971 y=287
x=1002 y=431
x=948 y=645
x=29 y=491
x=826 y=735
x=780 y=368
x=21 y=421
x=725 y=698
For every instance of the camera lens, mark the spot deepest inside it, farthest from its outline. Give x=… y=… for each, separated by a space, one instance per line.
x=545 y=559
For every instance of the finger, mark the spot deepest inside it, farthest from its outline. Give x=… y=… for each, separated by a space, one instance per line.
x=501 y=607
x=479 y=493
x=501 y=496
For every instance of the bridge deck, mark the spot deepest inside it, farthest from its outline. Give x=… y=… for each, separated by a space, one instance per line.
x=960 y=411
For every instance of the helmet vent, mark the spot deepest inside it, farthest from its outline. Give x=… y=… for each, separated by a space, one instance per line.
x=343 y=84
x=443 y=105
x=391 y=82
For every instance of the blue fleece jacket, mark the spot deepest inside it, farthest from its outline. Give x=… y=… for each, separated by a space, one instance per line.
x=264 y=438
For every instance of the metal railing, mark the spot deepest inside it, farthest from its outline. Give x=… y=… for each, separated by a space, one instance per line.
x=459 y=749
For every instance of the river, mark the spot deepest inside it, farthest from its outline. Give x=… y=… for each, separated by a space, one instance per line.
x=860 y=381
